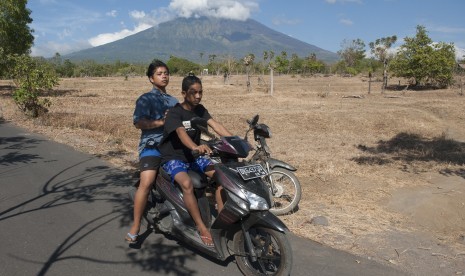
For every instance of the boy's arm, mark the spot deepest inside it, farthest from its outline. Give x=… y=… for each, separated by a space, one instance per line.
x=142 y=114
x=144 y=123
x=219 y=128
x=187 y=141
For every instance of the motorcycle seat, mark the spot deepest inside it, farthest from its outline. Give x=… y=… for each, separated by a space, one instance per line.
x=199 y=181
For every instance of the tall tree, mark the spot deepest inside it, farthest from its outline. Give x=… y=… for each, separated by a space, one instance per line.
x=265 y=57
x=380 y=49
x=423 y=61
x=15 y=34
x=248 y=62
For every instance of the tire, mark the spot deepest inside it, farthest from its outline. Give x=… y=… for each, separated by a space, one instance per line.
x=274 y=253
x=287 y=191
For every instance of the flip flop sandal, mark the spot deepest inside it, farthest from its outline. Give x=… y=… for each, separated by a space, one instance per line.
x=131 y=238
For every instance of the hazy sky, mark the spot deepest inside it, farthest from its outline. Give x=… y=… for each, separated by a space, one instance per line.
x=66 y=26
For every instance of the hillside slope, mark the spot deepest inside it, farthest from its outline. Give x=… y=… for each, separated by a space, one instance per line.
x=198 y=38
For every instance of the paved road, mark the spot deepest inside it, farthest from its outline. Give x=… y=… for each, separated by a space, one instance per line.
x=65 y=213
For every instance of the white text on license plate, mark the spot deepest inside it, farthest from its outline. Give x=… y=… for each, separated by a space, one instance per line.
x=251 y=171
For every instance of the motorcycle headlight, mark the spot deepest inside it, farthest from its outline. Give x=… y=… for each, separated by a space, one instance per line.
x=256 y=202
x=269 y=131
x=262 y=130
x=239 y=201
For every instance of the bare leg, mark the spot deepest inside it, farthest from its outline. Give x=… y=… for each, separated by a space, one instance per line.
x=191 y=204
x=218 y=193
x=140 y=198
x=219 y=198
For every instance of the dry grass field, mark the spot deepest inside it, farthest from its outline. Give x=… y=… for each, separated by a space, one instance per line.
x=386 y=170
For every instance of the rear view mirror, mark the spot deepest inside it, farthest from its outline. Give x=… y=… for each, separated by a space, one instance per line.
x=253 y=121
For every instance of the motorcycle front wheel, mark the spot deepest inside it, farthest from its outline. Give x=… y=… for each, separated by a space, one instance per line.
x=272 y=248
x=285 y=191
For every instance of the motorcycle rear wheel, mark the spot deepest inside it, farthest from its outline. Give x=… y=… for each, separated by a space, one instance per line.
x=273 y=250
x=287 y=191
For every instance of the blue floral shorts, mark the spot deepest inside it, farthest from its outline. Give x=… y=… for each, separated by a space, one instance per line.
x=174 y=167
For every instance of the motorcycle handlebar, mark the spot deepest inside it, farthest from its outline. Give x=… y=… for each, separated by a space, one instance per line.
x=195 y=153
x=210 y=144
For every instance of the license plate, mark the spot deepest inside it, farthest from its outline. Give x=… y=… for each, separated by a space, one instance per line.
x=251 y=171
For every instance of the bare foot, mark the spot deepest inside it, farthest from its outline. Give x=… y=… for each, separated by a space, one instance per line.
x=206 y=237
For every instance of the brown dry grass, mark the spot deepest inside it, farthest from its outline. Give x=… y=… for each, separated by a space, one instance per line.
x=352 y=154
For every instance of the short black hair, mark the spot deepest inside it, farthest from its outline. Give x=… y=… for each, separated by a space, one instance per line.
x=190 y=80
x=156 y=63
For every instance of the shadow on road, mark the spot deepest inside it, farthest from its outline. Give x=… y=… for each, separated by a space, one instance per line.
x=162 y=258
x=15 y=146
x=85 y=182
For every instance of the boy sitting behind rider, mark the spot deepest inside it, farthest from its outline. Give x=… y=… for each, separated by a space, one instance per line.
x=180 y=139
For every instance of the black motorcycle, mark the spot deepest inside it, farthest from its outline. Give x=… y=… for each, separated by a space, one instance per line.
x=245 y=228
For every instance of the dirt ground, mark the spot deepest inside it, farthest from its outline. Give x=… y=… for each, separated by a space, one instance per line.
x=385 y=169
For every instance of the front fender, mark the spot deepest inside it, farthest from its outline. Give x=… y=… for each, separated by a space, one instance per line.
x=264 y=219
x=261 y=219
x=278 y=163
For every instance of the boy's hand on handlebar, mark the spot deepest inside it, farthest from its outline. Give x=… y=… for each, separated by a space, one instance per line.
x=202 y=149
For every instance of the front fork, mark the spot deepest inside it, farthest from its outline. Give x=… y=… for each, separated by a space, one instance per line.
x=270 y=181
x=248 y=242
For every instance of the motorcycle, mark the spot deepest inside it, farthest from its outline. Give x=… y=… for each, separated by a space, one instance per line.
x=285 y=189
x=245 y=228
x=284 y=186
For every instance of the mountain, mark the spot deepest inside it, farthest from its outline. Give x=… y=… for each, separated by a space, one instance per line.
x=188 y=38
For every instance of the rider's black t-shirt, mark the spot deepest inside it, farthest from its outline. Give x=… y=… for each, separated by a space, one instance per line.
x=171 y=147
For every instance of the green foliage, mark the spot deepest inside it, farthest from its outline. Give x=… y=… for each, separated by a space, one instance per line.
x=30 y=103
x=424 y=62
x=352 y=52
x=310 y=65
x=282 y=63
x=381 y=46
x=442 y=64
x=32 y=77
x=371 y=65
x=66 y=69
x=62 y=68
x=352 y=71
x=339 y=67
x=90 y=68
x=181 y=66
x=15 y=35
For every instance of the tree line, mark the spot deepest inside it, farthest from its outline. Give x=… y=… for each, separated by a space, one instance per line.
x=418 y=59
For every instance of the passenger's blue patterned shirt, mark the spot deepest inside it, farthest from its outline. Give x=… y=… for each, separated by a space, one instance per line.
x=152 y=106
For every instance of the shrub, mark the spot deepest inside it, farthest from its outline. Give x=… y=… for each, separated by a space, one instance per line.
x=32 y=76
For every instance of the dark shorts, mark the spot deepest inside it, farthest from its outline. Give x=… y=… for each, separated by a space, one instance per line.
x=149 y=160
x=173 y=167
